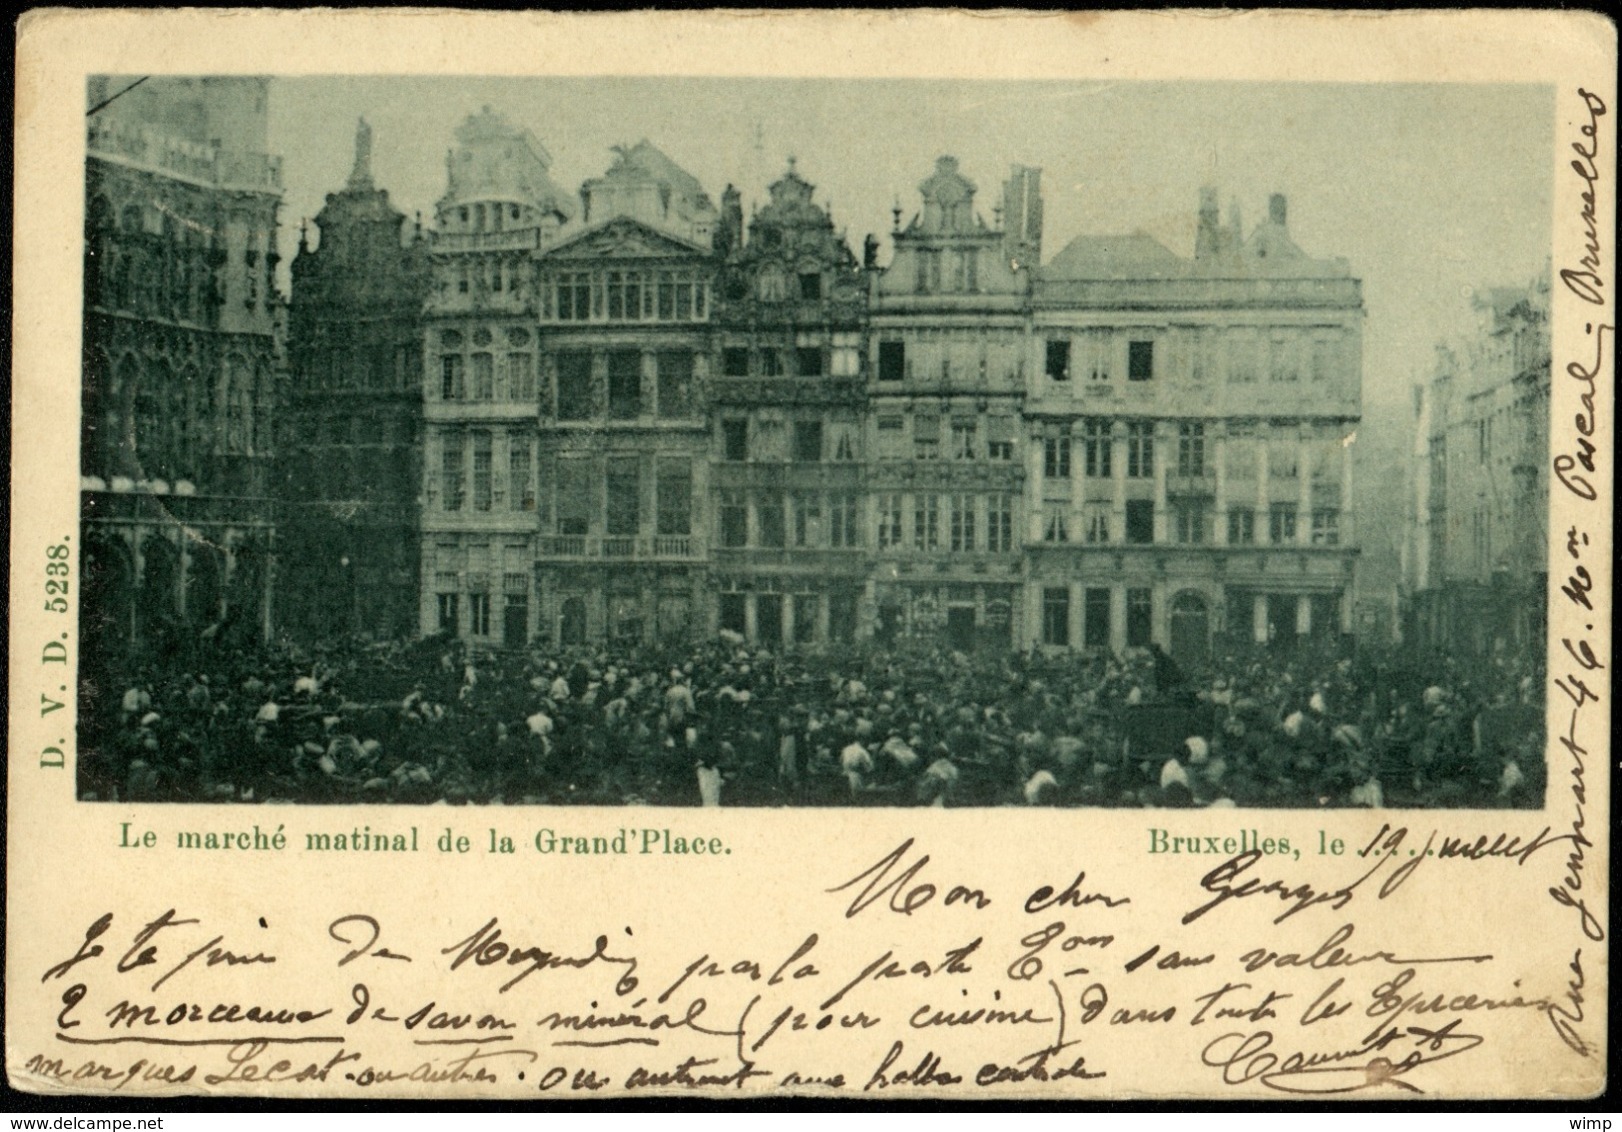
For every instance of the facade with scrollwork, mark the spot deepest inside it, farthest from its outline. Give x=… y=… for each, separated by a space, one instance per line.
x=790 y=537
x=353 y=443
x=948 y=334
x=183 y=329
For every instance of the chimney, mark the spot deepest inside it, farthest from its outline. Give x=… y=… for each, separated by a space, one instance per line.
x=1277 y=209
x=1207 y=235
x=731 y=234
x=1022 y=215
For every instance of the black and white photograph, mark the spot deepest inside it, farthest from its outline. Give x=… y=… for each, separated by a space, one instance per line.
x=659 y=441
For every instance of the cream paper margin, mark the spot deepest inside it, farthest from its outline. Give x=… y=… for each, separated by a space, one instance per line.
x=63 y=869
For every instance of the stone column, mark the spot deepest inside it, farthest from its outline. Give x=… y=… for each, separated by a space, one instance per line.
x=1160 y=434
x=822 y=618
x=1263 y=502
x=1117 y=618
x=1303 y=471
x=1077 y=599
x=1258 y=619
x=1303 y=614
x=1219 y=462
x=785 y=616
x=1117 y=467
x=1347 y=534
x=1033 y=480
x=749 y=614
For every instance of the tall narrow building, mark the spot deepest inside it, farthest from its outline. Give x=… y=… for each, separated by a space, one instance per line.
x=947 y=380
x=792 y=546
x=625 y=313
x=353 y=465
x=182 y=362
x=479 y=498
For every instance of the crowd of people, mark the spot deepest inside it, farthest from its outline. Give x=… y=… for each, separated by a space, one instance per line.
x=727 y=723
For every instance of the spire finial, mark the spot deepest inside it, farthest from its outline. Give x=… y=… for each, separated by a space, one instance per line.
x=361 y=176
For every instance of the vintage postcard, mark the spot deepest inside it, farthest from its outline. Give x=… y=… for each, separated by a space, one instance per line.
x=860 y=555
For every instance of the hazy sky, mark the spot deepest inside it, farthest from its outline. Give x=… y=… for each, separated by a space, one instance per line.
x=1429 y=191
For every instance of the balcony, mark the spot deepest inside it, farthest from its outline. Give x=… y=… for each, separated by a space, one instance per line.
x=145 y=148
x=619 y=547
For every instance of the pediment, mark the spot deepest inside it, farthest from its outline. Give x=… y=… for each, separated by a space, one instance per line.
x=622 y=238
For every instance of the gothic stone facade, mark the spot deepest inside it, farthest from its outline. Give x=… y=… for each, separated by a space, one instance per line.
x=183 y=329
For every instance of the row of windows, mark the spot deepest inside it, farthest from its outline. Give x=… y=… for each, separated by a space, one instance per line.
x=802 y=519
x=1095 y=622
x=1190 y=524
x=1247 y=355
x=619 y=394
x=803 y=441
x=453 y=478
x=513 y=379
x=963 y=523
x=625 y=296
x=963 y=438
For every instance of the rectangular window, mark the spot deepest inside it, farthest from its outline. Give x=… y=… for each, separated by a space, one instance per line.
x=1098 y=516
x=808 y=441
x=999 y=524
x=520 y=377
x=771 y=363
x=735 y=362
x=450 y=377
x=520 y=473
x=892 y=438
x=481 y=470
x=1241 y=526
x=1140 y=521
x=1281 y=523
x=1056 y=616
x=449 y=621
x=624 y=385
x=674 y=505
x=1191 y=449
x=1139 y=618
x=843 y=531
x=808 y=361
x=963 y=523
x=1322 y=359
x=1056 y=457
x=1190 y=522
x=1058 y=359
x=624 y=518
x=478 y=614
x=735 y=440
x=845 y=442
x=892 y=361
x=1095 y=435
x=577 y=499
x=734 y=520
x=810 y=286
x=574 y=296
x=452 y=486
x=807 y=520
x=1283 y=361
x=889 y=521
x=769 y=521
x=1140 y=361
x=1283 y=461
x=574 y=386
x=926 y=438
x=484 y=377
x=1095 y=628
x=1325 y=527
x=1056 y=525
x=675 y=383
x=1140 y=450
x=926 y=523
x=963 y=440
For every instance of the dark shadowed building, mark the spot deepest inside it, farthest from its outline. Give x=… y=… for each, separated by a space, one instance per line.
x=353 y=445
